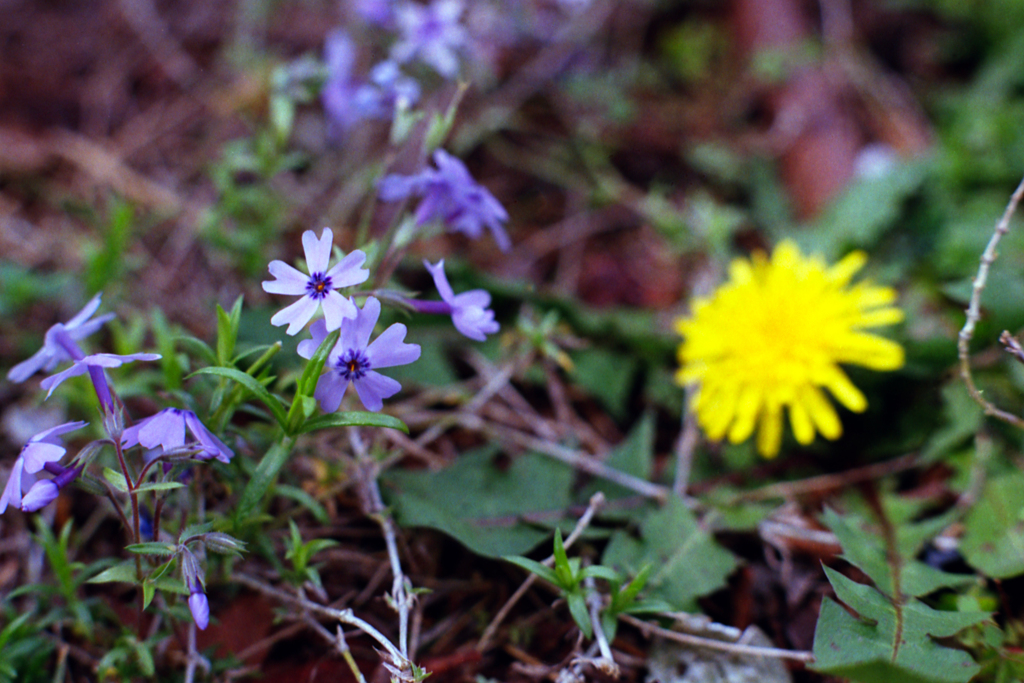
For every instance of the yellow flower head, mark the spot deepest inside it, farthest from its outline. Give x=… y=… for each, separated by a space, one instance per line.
x=773 y=336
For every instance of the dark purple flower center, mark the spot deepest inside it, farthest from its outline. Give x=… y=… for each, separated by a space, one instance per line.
x=353 y=365
x=318 y=286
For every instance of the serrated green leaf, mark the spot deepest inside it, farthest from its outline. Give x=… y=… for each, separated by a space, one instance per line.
x=993 y=539
x=119 y=573
x=889 y=641
x=116 y=479
x=480 y=504
x=356 y=418
x=254 y=387
x=687 y=562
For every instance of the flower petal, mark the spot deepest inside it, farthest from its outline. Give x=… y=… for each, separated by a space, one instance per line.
x=318 y=251
x=296 y=315
x=389 y=349
x=288 y=280
x=373 y=388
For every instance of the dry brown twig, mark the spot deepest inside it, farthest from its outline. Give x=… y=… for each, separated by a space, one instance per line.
x=988 y=257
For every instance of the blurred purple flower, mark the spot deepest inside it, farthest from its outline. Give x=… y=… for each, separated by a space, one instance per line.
x=354 y=360
x=42 y=451
x=431 y=33
x=94 y=365
x=320 y=287
x=450 y=196
x=378 y=12
x=166 y=430
x=468 y=310
x=347 y=100
x=53 y=352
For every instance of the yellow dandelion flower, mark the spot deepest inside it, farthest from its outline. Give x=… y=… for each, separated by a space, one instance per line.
x=773 y=336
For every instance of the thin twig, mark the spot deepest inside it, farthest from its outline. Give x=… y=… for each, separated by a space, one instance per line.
x=712 y=644
x=685 y=447
x=974 y=311
x=606 y=663
x=596 y=501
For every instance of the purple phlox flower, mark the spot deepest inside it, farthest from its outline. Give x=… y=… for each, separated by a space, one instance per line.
x=469 y=311
x=41 y=452
x=450 y=196
x=94 y=365
x=198 y=605
x=320 y=288
x=53 y=352
x=387 y=89
x=354 y=360
x=166 y=430
x=431 y=33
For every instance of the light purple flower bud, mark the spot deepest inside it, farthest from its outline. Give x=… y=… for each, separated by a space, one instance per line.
x=42 y=493
x=53 y=353
x=450 y=196
x=354 y=360
x=318 y=289
x=469 y=311
x=199 y=606
x=166 y=430
x=41 y=450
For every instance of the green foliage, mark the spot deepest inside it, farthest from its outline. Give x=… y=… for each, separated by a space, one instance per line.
x=993 y=540
x=891 y=635
x=482 y=505
x=301 y=553
x=687 y=562
x=105 y=264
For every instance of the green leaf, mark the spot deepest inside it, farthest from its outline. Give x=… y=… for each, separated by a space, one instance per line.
x=963 y=418
x=543 y=571
x=262 y=479
x=634 y=456
x=119 y=573
x=160 y=486
x=889 y=641
x=148 y=591
x=481 y=504
x=163 y=549
x=253 y=385
x=355 y=418
x=895 y=573
x=116 y=479
x=687 y=562
x=227 y=331
x=993 y=539
x=578 y=609
x=315 y=366
x=607 y=375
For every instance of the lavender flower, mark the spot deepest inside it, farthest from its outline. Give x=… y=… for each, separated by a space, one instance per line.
x=199 y=606
x=94 y=365
x=166 y=430
x=432 y=34
x=451 y=196
x=348 y=100
x=354 y=360
x=468 y=310
x=320 y=287
x=53 y=353
x=42 y=451
x=378 y=12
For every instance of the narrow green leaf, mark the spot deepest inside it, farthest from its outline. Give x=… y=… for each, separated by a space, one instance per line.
x=225 y=337
x=353 y=419
x=160 y=486
x=253 y=385
x=534 y=567
x=148 y=591
x=315 y=366
x=163 y=549
x=262 y=479
x=116 y=479
x=119 y=573
x=198 y=348
x=578 y=609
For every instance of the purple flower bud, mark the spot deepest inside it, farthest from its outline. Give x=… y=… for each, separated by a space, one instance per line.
x=199 y=606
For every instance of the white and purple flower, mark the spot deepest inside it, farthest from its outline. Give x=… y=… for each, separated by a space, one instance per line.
x=355 y=360
x=53 y=352
x=318 y=289
x=450 y=196
x=166 y=430
x=468 y=310
x=24 y=490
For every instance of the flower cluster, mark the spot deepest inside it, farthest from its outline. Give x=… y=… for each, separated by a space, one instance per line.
x=774 y=336
x=451 y=197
